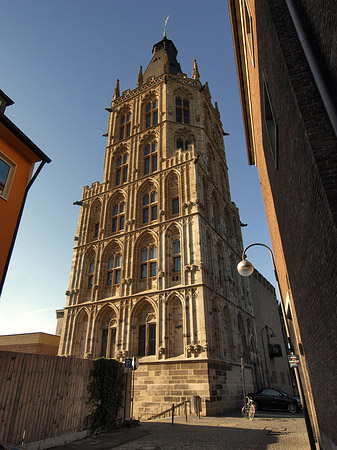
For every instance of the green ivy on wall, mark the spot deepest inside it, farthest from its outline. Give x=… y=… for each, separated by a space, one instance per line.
x=105 y=392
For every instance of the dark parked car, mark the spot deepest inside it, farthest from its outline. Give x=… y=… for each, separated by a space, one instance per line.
x=269 y=398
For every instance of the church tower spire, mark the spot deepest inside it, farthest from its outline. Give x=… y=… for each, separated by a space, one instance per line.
x=164 y=60
x=153 y=272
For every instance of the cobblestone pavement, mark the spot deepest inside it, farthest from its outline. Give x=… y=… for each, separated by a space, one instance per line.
x=272 y=431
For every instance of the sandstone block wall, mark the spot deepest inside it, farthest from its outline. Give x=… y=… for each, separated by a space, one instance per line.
x=220 y=386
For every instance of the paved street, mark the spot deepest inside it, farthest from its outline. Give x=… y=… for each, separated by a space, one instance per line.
x=269 y=430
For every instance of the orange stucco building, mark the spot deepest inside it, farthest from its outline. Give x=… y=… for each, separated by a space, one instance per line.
x=18 y=155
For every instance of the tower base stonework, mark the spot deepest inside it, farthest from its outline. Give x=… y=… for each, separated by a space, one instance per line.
x=219 y=385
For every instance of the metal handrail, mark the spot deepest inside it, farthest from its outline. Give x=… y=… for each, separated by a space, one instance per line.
x=168 y=411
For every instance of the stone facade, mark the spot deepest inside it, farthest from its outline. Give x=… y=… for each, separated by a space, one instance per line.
x=276 y=370
x=154 y=266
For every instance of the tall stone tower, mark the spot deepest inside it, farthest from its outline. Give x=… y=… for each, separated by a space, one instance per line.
x=158 y=241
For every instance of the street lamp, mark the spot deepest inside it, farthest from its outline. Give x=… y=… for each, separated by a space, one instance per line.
x=266 y=328
x=245 y=269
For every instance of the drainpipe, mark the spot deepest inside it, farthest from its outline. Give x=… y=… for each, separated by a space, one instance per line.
x=313 y=64
x=38 y=170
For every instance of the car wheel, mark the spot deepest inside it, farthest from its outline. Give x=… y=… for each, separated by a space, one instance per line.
x=292 y=408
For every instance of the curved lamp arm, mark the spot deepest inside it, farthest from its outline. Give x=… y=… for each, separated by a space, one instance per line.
x=246 y=268
x=270 y=251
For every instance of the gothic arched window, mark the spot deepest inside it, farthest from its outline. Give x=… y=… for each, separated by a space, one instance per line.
x=150 y=157
x=182 y=110
x=151 y=113
x=96 y=230
x=106 y=332
x=91 y=273
x=118 y=217
x=148 y=264
x=122 y=169
x=80 y=338
x=175 y=206
x=125 y=126
x=172 y=195
x=182 y=143
x=149 y=206
x=173 y=257
x=145 y=266
x=144 y=334
x=176 y=258
x=110 y=271
x=94 y=221
x=114 y=269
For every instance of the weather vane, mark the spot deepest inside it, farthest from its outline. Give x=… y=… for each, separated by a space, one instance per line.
x=164 y=29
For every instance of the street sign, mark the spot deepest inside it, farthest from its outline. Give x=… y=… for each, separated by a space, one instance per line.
x=128 y=363
x=294 y=360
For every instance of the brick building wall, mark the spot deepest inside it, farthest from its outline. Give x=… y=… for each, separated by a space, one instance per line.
x=37 y=343
x=304 y=193
x=40 y=349
x=300 y=190
x=321 y=26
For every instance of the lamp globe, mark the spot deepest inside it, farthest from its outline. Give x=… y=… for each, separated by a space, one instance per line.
x=245 y=268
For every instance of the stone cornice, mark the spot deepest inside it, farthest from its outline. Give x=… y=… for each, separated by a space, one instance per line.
x=128 y=95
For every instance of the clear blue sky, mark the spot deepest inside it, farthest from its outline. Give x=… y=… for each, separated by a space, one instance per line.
x=59 y=63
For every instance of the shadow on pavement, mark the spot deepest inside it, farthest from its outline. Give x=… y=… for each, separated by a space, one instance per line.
x=278 y=415
x=106 y=440
x=265 y=414
x=179 y=436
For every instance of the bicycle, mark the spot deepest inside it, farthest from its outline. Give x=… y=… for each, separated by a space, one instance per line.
x=248 y=410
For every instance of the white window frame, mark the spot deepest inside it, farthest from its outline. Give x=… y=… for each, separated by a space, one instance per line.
x=10 y=177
